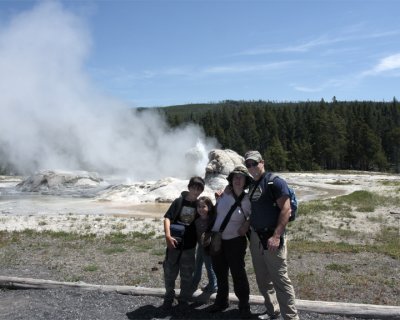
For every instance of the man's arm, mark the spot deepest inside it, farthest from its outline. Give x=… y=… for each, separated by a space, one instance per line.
x=227 y=190
x=284 y=215
x=246 y=208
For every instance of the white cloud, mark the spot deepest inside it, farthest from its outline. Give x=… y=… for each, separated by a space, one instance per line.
x=307 y=89
x=243 y=68
x=320 y=41
x=128 y=79
x=301 y=47
x=346 y=82
x=387 y=65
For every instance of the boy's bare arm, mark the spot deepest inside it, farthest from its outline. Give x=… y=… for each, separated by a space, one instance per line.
x=171 y=242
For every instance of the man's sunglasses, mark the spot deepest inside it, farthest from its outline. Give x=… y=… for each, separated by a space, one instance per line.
x=251 y=164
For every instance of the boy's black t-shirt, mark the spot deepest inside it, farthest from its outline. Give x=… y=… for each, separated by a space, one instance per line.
x=187 y=217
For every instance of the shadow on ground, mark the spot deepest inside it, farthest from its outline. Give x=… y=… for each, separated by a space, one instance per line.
x=194 y=311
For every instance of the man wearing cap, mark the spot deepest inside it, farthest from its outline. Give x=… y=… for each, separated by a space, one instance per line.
x=267 y=241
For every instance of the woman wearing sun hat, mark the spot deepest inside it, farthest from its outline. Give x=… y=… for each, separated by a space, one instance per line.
x=234 y=243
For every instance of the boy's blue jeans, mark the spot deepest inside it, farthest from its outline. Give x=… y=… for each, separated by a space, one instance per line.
x=202 y=257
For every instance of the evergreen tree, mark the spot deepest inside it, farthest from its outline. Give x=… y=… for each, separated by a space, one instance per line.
x=393 y=150
x=276 y=156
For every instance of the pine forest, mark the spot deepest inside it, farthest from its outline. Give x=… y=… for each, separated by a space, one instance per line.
x=303 y=136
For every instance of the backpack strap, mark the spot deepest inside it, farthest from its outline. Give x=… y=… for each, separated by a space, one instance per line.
x=178 y=203
x=238 y=202
x=271 y=178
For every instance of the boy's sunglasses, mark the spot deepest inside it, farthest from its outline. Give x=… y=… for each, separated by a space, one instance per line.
x=251 y=164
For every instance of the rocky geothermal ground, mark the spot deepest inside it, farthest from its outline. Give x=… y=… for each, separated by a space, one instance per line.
x=86 y=203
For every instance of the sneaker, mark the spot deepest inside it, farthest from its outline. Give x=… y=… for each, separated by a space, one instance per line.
x=217 y=308
x=267 y=316
x=245 y=313
x=208 y=289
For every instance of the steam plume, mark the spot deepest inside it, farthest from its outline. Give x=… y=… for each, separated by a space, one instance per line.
x=52 y=117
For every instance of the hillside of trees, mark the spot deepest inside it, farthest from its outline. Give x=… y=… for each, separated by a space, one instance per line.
x=302 y=136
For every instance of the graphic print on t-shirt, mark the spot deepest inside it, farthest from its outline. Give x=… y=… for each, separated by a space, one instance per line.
x=256 y=193
x=187 y=215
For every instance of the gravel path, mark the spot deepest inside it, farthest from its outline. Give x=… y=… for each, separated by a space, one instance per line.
x=68 y=304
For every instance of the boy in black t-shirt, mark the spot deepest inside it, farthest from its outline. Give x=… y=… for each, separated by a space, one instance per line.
x=180 y=254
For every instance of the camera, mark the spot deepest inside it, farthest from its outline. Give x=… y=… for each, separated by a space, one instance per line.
x=178 y=232
x=179 y=242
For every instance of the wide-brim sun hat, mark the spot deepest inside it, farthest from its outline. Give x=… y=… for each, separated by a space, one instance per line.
x=243 y=171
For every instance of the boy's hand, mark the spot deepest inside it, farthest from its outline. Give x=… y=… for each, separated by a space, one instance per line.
x=171 y=242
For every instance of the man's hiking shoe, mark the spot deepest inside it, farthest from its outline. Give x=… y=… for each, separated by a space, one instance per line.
x=217 y=308
x=267 y=316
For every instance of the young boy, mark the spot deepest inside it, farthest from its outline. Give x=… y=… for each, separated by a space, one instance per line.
x=180 y=253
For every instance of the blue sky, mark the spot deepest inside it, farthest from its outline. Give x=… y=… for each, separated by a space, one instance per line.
x=159 y=53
